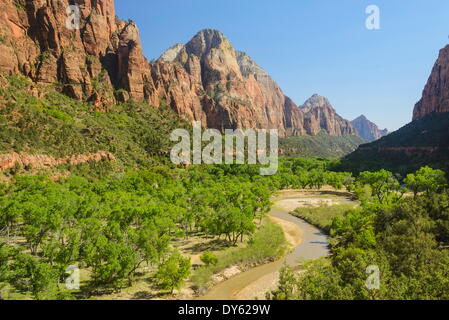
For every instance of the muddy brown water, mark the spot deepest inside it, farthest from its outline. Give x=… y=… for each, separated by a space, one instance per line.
x=315 y=245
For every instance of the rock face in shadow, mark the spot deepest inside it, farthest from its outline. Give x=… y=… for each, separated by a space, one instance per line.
x=367 y=129
x=424 y=141
x=435 y=98
x=102 y=62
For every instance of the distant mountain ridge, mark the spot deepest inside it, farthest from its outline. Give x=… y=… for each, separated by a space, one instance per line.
x=422 y=142
x=321 y=116
x=367 y=129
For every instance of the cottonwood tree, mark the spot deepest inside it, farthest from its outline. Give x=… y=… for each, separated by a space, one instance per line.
x=426 y=180
x=173 y=272
x=383 y=184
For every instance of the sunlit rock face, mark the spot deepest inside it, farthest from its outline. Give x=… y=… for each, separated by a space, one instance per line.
x=103 y=62
x=234 y=91
x=321 y=116
x=367 y=129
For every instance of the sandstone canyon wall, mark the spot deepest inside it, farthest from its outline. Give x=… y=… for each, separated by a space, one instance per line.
x=320 y=115
x=435 y=98
x=103 y=62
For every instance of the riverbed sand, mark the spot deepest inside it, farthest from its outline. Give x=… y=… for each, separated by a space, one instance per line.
x=288 y=201
x=293 y=233
x=258 y=289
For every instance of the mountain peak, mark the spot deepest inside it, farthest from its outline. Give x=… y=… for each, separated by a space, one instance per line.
x=361 y=118
x=207 y=39
x=210 y=32
x=320 y=114
x=202 y=43
x=367 y=129
x=435 y=97
x=317 y=101
x=249 y=66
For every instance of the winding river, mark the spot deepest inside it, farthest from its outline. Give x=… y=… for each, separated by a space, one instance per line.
x=261 y=279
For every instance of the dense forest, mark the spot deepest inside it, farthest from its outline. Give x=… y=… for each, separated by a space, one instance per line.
x=113 y=227
x=400 y=230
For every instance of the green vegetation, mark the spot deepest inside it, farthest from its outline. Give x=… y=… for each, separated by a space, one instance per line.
x=422 y=142
x=116 y=226
x=322 y=216
x=406 y=238
x=136 y=134
x=382 y=185
x=208 y=258
x=172 y=273
x=322 y=145
x=268 y=244
x=425 y=180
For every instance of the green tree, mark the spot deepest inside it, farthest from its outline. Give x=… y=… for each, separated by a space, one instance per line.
x=356 y=228
x=383 y=184
x=426 y=180
x=173 y=272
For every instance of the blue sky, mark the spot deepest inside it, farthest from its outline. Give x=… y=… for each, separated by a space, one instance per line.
x=316 y=46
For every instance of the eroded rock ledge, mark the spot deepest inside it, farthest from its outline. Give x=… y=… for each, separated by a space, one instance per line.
x=41 y=161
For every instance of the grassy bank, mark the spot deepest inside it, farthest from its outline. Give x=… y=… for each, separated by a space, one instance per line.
x=268 y=244
x=322 y=216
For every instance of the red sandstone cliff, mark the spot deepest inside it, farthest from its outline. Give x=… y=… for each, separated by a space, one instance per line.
x=320 y=115
x=435 y=98
x=231 y=90
x=41 y=161
x=205 y=79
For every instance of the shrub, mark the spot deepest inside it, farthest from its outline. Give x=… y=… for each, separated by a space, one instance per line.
x=208 y=258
